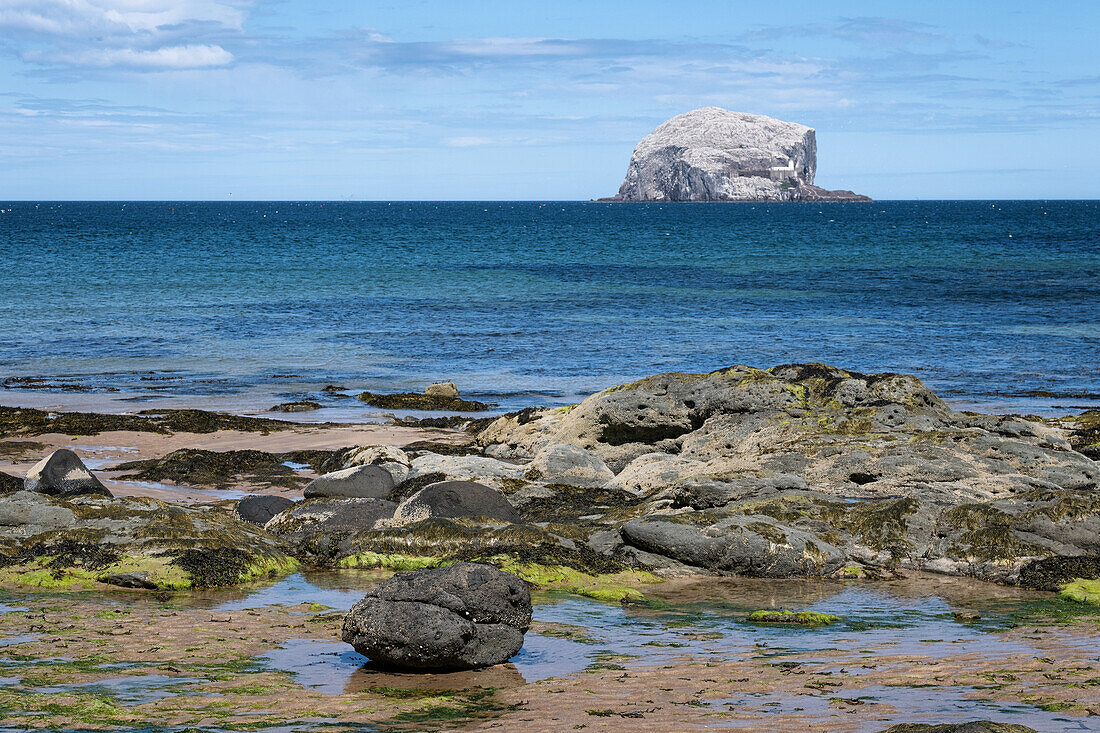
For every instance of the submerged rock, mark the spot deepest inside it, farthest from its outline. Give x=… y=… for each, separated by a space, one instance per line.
x=712 y=154
x=300 y=406
x=63 y=474
x=357 y=482
x=975 y=726
x=260 y=509
x=453 y=499
x=464 y=616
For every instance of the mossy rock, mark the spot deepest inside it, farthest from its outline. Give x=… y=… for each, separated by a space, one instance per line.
x=793 y=618
x=299 y=406
x=195 y=467
x=28 y=421
x=1082 y=591
x=1052 y=573
x=419 y=401
x=136 y=542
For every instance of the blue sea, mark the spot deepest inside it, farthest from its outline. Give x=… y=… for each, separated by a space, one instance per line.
x=995 y=304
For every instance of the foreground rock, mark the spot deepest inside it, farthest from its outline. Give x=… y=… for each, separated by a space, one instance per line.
x=976 y=726
x=357 y=482
x=808 y=470
x=87 y=540
x=464 y=616
x=712 y=154
x=63 y=474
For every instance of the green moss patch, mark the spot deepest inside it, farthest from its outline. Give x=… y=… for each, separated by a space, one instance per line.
x=1082 y=591
x=794 y=618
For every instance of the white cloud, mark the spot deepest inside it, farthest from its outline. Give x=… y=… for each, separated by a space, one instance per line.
x=167 y=57
x=81 y=17
x=129 y=34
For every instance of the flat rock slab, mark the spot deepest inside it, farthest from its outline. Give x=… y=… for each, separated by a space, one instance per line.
x=464 y=616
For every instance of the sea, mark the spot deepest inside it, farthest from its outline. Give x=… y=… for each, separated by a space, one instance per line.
x=239 y=305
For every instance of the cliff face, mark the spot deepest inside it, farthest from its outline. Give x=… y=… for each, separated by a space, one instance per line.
x=712 y=154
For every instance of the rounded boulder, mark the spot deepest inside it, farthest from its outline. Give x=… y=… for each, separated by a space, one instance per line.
x=454 y=499
x=464 y=616
x=356 y=482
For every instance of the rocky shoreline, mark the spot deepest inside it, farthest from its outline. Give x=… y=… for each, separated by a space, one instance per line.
x=796 y=471
x=638 y=499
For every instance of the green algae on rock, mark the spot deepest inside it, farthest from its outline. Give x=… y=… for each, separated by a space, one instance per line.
x=1082 y=591
x=29 y=421
x=89 y=541
x=418 y=401
x=795 y=618
x=221 y=469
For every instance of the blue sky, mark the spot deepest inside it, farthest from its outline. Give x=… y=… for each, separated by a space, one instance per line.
x=217 y=99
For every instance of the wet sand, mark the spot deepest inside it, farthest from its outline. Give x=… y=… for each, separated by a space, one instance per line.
x=270 y=656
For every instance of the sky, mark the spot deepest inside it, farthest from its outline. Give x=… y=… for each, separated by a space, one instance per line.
x=360 y=100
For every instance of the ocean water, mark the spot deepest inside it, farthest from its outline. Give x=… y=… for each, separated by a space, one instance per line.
x=994 y=304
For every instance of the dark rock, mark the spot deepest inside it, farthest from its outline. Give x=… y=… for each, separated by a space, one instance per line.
x=331 y=515
x=9 y=484
x=456 y=499
x=29 y=421
x=63 y=474
x=428 y=402
x=131 y=580
x=358 y=482
x=224 y=469
x=464 y=616
x=976 y=726
x=300 y=406
x=260 y=509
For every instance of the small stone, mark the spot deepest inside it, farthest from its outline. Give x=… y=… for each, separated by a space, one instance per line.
x=63 y=474
x=441 y=389
x=967 y=615
x=131 y=580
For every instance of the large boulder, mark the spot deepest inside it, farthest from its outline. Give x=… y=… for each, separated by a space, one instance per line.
x=804 y=469
x=330 y=515
x=464 y=616
x=452 y=499
x=261 y=508
x=63 y=474
x=356 y=482
x=713 y=154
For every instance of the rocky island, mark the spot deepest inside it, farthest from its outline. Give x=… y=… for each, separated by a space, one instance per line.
x=713 y=154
